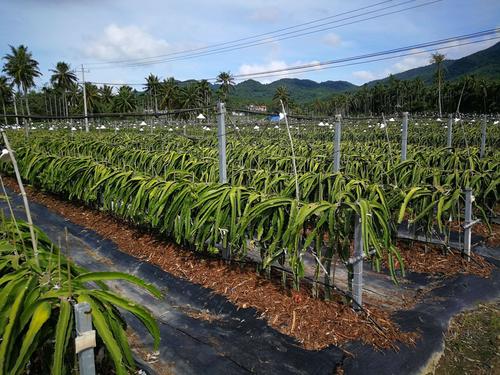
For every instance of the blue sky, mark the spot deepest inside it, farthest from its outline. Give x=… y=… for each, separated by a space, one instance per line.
x=89 y=31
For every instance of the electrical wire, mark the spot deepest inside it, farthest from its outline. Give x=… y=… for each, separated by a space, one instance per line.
x=273 y=40
x=240 y=39
x=357 y=60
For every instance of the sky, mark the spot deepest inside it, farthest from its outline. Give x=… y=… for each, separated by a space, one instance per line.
x=91 y=32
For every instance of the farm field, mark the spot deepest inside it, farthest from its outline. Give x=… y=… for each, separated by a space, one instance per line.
x=271 y=188
x=166 y=182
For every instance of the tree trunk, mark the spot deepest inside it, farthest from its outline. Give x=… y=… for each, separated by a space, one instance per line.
x=4 y=112
x=50 y=109
x=15 y=109
x=27 y=103
x=46 y=106
x=25 y=119
x=439 y=92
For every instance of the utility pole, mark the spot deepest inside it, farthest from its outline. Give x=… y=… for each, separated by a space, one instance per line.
x=85 y=101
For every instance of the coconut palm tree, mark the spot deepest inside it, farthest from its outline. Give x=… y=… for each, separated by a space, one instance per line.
x=282 y=94
x=205 y=92
x=438 y=58
x=62 y=79
x=226 y=81
x=75 y=94
x=106 y=93
x=190 y=96
x=5 y=94
x=169 y=93
x=93 y=98
x=22 y=69
x=125 y=101
x=152 y=88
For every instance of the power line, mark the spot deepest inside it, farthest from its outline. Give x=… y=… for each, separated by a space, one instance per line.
x=240 y=39
x=284 y=36
x=259 y=75
x=355 y=60
x=381 y=53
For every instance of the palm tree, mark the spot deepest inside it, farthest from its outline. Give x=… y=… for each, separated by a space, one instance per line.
x=5 y=95
x=205 y=92
x=226 y=81
x=125 y=101
x=93 y=98
x=152 y=88
x=106 y=93
x=438 y=58
x=282 y=94
x=62 y=79
x=190 y=96
x=74 y=95
x=169 y=93
x=23 y=70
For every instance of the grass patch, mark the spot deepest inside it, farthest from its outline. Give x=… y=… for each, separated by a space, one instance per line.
x=472 y=344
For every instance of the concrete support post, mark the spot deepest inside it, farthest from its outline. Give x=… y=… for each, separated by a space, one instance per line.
x=482 y=151
x=449 y=140
x=336 y=149
x=404 y=138
x=85 y=340
x=357 y=282
x=221 y=135
x=468 y=222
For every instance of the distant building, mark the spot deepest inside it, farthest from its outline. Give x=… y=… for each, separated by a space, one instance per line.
x=257 y=108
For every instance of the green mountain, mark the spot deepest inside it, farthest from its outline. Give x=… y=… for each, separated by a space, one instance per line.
x=485 y=63
x=301 y=90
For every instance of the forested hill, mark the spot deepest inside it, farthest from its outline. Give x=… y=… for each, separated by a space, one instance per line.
x=485 y=63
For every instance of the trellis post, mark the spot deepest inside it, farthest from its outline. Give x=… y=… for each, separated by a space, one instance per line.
x=357 y=262
x=336 y=149
x=450 y=131
x=221 y=135
x=468 y=222
x=85 y=340
x=404 y=138
x=483 y=138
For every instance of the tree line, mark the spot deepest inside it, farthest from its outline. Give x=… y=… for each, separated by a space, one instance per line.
x=63 y=95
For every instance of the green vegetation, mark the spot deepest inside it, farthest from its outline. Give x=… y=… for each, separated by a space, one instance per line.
x=36 y=307
x=169 y=183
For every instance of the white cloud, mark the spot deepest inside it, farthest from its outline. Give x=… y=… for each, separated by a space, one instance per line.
x=364 y=75
x=274 y=65
x=125 y=42
x=410 y=62
x=332 y=39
